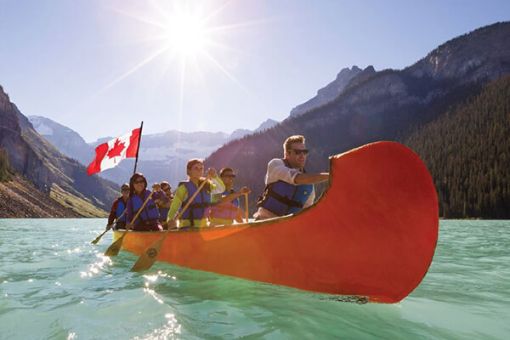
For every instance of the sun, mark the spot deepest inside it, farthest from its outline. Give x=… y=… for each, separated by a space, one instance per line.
x=186 y=34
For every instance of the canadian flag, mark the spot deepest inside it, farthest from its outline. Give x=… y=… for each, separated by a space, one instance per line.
x=109 y=155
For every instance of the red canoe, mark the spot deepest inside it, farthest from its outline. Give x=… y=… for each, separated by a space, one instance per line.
x=372 y=234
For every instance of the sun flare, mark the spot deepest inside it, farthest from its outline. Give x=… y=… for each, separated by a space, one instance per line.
x=186 y=34
x=187 y=37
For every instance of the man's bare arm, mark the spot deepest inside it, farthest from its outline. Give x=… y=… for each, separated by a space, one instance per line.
x=311 y=178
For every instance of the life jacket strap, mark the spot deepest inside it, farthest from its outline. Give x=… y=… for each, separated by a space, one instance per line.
x=287 y=201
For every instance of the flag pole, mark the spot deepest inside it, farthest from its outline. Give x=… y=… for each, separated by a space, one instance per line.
x=138 y=148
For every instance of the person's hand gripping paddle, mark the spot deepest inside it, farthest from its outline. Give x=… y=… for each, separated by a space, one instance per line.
x=114 y=248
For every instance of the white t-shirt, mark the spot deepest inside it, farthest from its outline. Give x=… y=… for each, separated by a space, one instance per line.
x=278 y=171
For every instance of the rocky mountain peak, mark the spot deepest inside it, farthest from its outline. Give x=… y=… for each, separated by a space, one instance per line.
x=67 y=141
x=343 y=78
x=267 y=124
x=8 y=117
x=347 y=72
x=5 y=103
x=361 y=77
x=333 y=89
x=478 y=55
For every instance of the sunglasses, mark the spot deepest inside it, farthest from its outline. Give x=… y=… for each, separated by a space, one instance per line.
x=139 y=181
x=165 y=188
x=300 y=151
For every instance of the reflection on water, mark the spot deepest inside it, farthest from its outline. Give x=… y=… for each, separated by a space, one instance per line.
x=62 y=287
x=98 y=266
x=167 y=331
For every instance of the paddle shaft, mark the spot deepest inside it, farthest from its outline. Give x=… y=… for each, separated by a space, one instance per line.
x=246 y=208
x=140 y=210
x=121 y=215
x=200 y=187
x=108 y=227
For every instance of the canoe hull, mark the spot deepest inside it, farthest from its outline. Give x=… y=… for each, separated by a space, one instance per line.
x=372 y=234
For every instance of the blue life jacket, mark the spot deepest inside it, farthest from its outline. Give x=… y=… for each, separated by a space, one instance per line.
x=149 y=214
x=121 y=206
x=235 y=202
x=227 y=211
x=197 y=209
x=282 y=198
x=163 y=214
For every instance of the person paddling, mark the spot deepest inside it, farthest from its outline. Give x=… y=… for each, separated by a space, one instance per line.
x=289 y=188
x=195 y=214
x=164 y=202
x=167 y=189
x=148 y=219
x=117 y=212
x=226 y=208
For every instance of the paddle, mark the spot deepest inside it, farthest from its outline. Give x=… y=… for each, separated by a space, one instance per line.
x=246 y=207
x=114 y=248
x=149 y=256
x=108 y=227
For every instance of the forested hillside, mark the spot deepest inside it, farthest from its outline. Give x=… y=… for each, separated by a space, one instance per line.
x=467 y=151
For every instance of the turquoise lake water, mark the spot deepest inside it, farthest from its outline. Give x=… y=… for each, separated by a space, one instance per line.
x=54 y=284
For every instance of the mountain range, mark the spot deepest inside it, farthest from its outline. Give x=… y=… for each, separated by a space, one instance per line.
x=385 y=105
x=162 y=156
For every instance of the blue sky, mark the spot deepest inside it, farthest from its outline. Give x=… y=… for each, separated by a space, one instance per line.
x=81 y=62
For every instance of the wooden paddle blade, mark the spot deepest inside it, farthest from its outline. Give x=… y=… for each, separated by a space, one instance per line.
x=147 y=259
x=99 y=237
x=114 y=248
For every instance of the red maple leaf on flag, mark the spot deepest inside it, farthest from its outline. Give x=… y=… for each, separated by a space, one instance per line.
x=116 y=149
x=109 y=154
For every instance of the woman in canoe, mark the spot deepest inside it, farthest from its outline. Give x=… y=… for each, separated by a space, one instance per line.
x=195 y=214
x=148 y=219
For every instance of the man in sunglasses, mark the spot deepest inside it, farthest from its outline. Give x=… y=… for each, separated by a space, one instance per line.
x=289 y=189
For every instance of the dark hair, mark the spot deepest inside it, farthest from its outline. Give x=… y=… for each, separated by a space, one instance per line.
x=165 y=183
x=132 y=182
x=192 y=162
x=222 y=171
